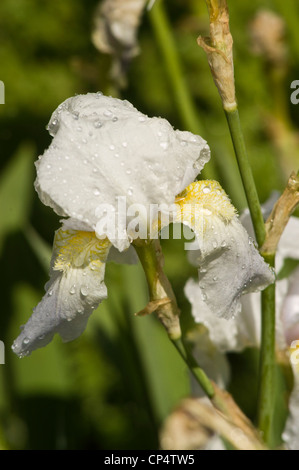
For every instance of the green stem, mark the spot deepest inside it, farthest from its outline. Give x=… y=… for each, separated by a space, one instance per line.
x=266 y=382
x=152 y=261
x=234 y=124
x=196 y=371
x=180 y=91
x=267 y=360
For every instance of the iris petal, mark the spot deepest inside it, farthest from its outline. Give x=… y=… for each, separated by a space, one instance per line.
x=229 y=264
x=75 y=289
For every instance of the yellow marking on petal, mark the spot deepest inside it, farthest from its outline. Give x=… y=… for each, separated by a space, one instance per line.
x=209 y=196
x=202 y=204
x=79 y=249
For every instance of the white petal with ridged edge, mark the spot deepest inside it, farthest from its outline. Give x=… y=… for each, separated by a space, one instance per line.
x=103 y=148
x=229 y=264
x=75 y=289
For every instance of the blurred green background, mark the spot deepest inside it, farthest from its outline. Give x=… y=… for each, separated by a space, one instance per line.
x=112 y=387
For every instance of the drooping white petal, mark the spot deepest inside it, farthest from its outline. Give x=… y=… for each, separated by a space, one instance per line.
x=104 y=149
x=229 y=264
x=75 y=289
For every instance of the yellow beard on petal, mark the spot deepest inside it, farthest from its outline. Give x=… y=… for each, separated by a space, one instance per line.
x=79 y=249
x=203 y=201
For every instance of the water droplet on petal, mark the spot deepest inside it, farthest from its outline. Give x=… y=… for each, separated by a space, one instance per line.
x=130 y=191
x=114 y=119
x=98 y=124
x=84 y=291
x=26 y=340
x=73 y=289
x=164 y=145
x=50 y=293
x=96 y=192
x=206 y=189
x=108 y=113
x=223 y=244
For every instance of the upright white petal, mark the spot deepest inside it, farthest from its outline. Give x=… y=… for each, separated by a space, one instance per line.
x=75 y=289
x=290 y=309
x=103 y=148
x=291 y=430
x=229 y=264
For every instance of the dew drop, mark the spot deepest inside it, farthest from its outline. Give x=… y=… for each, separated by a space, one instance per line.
x=84 y=291
x=50 y=291
x=128 y=171
x=112 y=147
x=204 y=296
x=96 y=192
x=26 y=340
x=125 y=144
x=206 y=189
x=223 y=244
x=114 y=119
x=108 y=113
x=130 y=191
x=98 y=124
x=164 y=145
x=73 y=289
x=75 y=115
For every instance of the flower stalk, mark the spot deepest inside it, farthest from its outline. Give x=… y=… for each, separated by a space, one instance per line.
x=152 y=260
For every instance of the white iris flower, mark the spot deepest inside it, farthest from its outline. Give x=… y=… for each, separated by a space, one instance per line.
x=103 y=149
